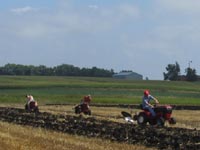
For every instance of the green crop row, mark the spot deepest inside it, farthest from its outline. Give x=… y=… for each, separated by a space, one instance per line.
x=103 y=90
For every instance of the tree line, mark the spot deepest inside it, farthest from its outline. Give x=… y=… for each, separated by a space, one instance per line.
x=60 y=70
x=173 y=73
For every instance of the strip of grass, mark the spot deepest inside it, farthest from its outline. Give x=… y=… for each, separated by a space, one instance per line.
x=103 y=90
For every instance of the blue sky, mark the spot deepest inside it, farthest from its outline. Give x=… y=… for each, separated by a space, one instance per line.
x=139 y=35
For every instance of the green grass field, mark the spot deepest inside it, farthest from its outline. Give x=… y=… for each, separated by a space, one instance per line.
x=103 y=90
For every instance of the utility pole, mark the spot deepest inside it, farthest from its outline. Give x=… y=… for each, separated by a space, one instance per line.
x=189 y=63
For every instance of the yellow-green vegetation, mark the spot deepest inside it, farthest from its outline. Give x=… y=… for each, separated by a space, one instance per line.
x=16 y=137
x=53 y=89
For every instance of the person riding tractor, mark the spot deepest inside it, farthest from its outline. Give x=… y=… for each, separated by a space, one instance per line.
x=146 y=102
x=84 y=107
x=31 y=104
x=154 y=115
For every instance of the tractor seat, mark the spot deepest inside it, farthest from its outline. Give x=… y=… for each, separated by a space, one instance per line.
x=141 y=107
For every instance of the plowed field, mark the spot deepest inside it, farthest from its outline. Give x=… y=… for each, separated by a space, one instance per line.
x=158 y=137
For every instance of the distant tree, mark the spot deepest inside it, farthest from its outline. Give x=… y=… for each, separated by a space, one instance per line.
x=61 y=70
x=173 y=72
x=66 y=70
x=191 y=74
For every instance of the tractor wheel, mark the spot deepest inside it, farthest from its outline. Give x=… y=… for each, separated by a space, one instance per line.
x=77 y=110
x=172 y=121
x=142 y=119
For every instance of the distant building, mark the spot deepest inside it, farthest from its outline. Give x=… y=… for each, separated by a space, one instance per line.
x=182 y=78
x=128 y=75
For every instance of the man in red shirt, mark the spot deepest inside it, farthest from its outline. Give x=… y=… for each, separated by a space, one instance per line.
x=87 y=99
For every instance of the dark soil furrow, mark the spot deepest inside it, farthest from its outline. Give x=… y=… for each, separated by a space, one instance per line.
x=162 y=138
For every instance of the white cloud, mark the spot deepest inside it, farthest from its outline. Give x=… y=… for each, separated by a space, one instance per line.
x=185 y=6
x=23 y=10
x=93 y=7
x=129 y=32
